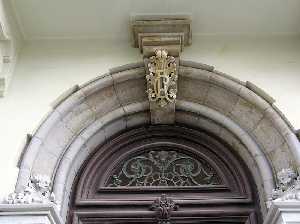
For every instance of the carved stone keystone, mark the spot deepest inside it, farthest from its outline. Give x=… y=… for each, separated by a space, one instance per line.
x=160 y=40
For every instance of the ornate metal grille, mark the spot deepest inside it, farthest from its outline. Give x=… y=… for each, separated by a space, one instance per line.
x=163 y=168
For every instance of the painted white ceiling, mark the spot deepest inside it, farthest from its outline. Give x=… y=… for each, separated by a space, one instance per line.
x=40 y=19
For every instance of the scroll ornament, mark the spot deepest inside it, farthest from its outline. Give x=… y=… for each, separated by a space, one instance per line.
x=162 y=78
x=289 y=186
x=38 y=190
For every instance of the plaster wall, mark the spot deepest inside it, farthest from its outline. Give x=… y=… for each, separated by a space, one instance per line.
x=46 y=68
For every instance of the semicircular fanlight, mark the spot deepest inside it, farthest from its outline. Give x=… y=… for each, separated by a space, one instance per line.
x=166 y=168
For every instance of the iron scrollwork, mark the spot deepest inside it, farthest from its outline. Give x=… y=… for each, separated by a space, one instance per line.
x=163 y=168
x=164 y=207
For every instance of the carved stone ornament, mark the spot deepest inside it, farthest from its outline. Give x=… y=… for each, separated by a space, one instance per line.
x=38 y=190
x=164 y=207
x=289 y=186
x=162 y=79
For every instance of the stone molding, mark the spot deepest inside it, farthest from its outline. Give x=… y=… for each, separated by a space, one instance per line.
x=283 y=212
x=29 y=214
x=116 y=101
x=170 y=32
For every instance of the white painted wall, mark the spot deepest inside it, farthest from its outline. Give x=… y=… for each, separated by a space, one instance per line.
x=47 y=68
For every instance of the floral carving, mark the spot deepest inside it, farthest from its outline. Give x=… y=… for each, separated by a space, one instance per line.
x=164 y=207
x=38 y=190
x=162 y=79
x=288 y=186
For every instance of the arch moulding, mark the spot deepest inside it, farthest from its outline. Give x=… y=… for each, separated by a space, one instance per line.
x=86 y=116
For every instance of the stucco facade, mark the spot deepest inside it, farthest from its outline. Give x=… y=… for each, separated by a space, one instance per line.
x=69 y=96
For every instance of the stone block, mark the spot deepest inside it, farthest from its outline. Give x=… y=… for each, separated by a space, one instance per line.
x=278 y=122
x=186 y=118
x=192 y=90
x=27 y=159
x=94 y=141
x=47 y=125
x=64 y=96
x=126 y=75
x=221 y=99
x=131 y=91
x=196 y=65
x=136 y=107
x=45 y=163
x=97 y=85
x=194 y=73
x=79 y=117
x=208 y=125
x=114 y=127
x=260 y=92
x=126 y=67
x=138 y=119
x=246 y=114
x=229 y=77
x=69 y=103
x=103 y=101
x=253 y=98
x=58 y=138
x=281 y=158
x=112 y=116
x=267 y=135
x=221 y=81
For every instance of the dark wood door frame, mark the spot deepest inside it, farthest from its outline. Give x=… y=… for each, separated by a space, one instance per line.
x=97 y=199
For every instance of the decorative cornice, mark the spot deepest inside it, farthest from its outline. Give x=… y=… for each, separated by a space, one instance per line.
x=173 y=32
x=288 y=186
x=38 y=190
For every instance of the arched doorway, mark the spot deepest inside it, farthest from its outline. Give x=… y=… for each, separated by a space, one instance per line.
x=89 y=115
x=164 y=174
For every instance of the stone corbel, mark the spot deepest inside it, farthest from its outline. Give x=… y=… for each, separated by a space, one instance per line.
x=161 y=39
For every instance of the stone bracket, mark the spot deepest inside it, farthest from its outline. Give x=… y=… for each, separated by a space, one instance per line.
x=161 y=32
x=161 y=39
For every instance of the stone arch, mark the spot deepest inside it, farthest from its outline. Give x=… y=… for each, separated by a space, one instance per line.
x=87 y=115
